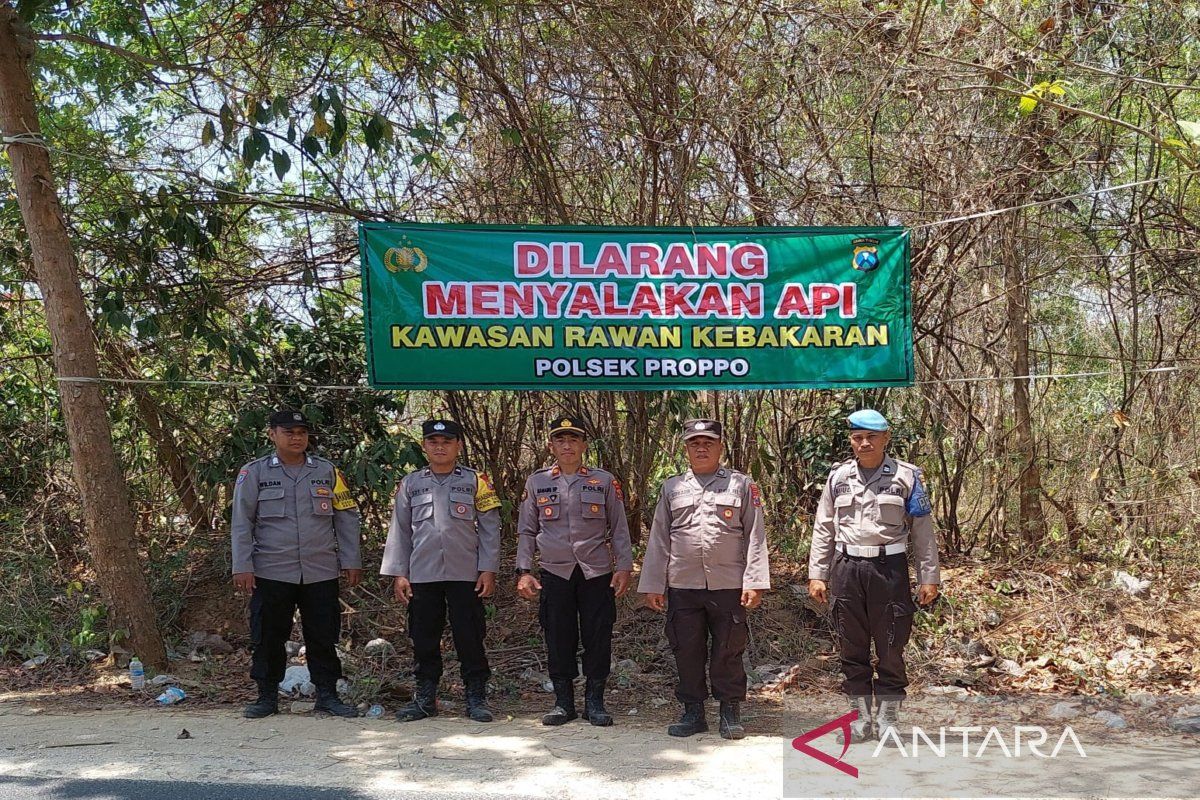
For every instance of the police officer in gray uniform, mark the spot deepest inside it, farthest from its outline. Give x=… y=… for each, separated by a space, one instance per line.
x=295 y=526
x=574 y=517
x=873 y=507
x=708 y=552
x=443 y=549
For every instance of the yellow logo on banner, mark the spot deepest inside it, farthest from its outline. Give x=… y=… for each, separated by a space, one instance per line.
x=403 y=259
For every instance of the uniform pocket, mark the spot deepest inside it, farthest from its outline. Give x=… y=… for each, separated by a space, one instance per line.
x=462 y=509
x=593 y=508
x=672 y=634
x=900 y=628
x=322 y=501
x=271 y=502
x=729 y=509
x=549 y=510
x=891 y=509
x=422 y=507
x=836 y=614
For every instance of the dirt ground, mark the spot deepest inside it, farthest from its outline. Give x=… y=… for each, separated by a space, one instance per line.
x=51 y=740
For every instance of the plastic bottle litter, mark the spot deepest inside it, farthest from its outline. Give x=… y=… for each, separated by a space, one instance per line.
x=137 y=674
x=374 y=712
x=171 y=696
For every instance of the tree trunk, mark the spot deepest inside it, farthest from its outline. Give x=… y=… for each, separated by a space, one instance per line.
x=1032 y=520
x=107 y=512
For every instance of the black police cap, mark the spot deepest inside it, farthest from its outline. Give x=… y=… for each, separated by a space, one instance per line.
x=441 y=427
x=289 y=418
x=701 y=427
x=568 y=424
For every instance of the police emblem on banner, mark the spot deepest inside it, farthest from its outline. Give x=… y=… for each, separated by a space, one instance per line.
x=866 y=254
x=405 y=258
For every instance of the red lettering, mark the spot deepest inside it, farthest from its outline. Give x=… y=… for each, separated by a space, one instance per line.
x=792 y=303
x=449 y=300
x=749 y=260
x=824 y=297
x=643 y=259
x=713 y=259
x=675 y=300
x=519 y=300
x=611 y=260
x=552 y=296
x=712 y=301
x=530 y=259
x=678 y=261
x=645 y=301
x=584 y=301
x=849 y=301
x=745 y=300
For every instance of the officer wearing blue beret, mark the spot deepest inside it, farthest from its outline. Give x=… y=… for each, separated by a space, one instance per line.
x=872 y=509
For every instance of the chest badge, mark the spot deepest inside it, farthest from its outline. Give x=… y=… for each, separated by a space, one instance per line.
x=461 y=509
x=324 y=505
x=549 y=512
x=595 y=508
x=727 y=513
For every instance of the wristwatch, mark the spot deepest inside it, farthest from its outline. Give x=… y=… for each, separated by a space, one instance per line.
x=521 y=572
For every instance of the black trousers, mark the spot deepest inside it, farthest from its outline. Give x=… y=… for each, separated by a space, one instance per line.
x=574 y=609
x=427 y=611
x=272 y=607
x=708 y=625
x=872 y=603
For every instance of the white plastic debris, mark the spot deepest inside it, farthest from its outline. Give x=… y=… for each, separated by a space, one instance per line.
x=297 y=679
x=1129 y=584
x=378 y=647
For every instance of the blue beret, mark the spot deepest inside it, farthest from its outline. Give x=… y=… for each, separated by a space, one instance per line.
x=868 y=419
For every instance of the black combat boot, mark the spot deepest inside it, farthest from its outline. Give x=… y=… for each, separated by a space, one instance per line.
x=692 y=722
x=730 y=725
x=862 y=728
x=564 y=704
x=593 y=703
x=267 y=702
x=424 y=703
x=328 y=702
x=477 y=707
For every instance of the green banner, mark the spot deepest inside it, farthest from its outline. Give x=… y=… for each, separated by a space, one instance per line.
x=529 y=307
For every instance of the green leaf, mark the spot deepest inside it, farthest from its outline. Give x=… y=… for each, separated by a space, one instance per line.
x=227 y=121
x=282 y=163
x=1026 y=105
x=254 y=148
x=208 y=134
x=310 y=146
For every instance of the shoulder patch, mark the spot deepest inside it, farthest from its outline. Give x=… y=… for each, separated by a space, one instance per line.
x=485 y=495
x=241 y=478
x=343 y=498
x=755 y=496
x=616 y=485
x=918 y=504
